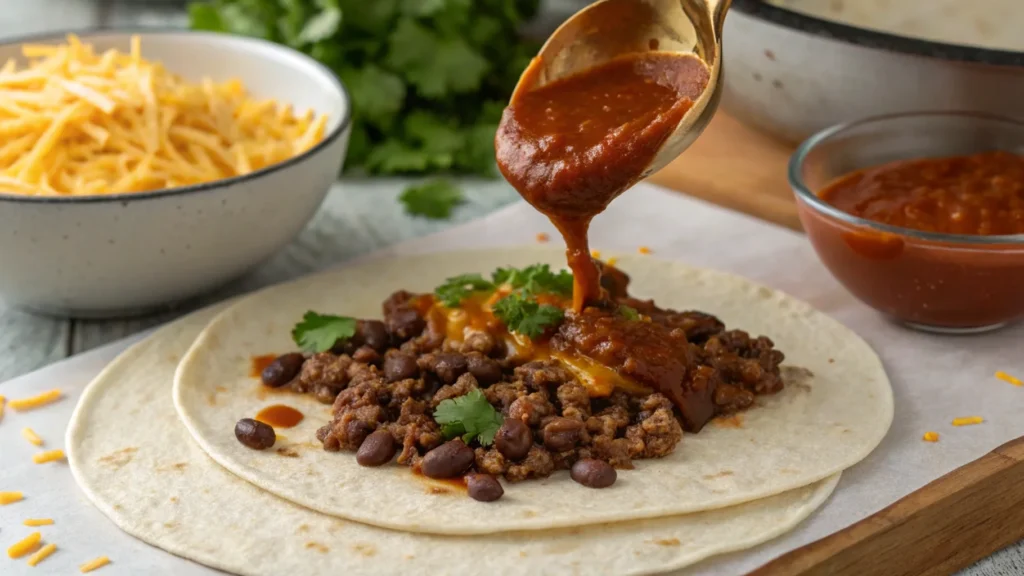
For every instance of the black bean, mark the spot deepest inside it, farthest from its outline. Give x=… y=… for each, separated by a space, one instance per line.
x=255 y=434
x=486 y=370
x=562 y=434
x=377 y=449
x=356 y=431
x=282 y=370
x=374 y=334
x=448 y=460
x=366 y=355
x=449 y=366
x=593 y=473
x=513 y=439
x=404 y=322
x=400 y=366
x=484 y=487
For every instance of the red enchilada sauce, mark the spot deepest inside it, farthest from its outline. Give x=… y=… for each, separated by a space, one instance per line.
x=572 y=146
x=982 y=194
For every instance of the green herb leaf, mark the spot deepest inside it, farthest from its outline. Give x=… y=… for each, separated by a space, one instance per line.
x=526 y=316
x=629 y=313
x=321 y=27
x=535 y=279
x=458 y=288
x=469 y=416
x=434 y=199
x=320 y=332
x=377 y=95
x=205 y=17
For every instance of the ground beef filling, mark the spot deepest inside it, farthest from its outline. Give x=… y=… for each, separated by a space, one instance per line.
x=393 y=373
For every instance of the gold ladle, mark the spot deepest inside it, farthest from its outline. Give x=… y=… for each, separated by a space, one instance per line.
x=611 y=28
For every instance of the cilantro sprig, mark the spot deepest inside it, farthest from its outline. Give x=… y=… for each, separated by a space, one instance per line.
x=320 y=332
x=428 y=79
x=458 y=288
x=469 y=416
x=434 y=199
x=526 y=316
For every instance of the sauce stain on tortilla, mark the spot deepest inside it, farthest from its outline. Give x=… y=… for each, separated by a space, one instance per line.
x=176 y=467
x=258 y=363
x=438 y=490
x=733 y=421
x=120 y=458
x=287 y=452
x=797 y=377
x=666 y=541
x=716 y=475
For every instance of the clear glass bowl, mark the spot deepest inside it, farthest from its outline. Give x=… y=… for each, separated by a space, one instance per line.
x=936 y=282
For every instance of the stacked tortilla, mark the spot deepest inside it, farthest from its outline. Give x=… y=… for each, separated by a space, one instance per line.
x=165 y=411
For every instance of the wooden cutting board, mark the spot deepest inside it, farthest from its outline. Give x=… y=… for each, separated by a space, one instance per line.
x=949 y=524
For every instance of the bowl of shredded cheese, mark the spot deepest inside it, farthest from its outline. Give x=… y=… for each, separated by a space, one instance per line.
x=137 y=170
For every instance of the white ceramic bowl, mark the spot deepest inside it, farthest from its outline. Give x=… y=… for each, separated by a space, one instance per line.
x=125 y=254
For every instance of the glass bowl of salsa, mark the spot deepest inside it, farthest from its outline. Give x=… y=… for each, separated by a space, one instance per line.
x=920 y=215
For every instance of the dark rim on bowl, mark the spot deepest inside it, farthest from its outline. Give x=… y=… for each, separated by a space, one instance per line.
x=876 y=39
x=806 y=195
x=125 y=197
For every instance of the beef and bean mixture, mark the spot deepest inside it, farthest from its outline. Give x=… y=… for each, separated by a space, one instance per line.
x=386 y=381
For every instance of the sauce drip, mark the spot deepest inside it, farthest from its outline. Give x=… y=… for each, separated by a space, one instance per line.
x=572 y=146
x=280 y=416
x=258 y=363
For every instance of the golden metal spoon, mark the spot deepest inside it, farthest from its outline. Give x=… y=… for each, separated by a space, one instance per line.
x=611 y=28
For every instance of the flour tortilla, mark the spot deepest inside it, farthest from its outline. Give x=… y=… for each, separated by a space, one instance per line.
x=816 y=427
x=994 y=24
x=158 y=486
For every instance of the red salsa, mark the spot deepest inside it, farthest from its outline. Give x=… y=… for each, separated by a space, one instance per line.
x=572 y=146
x=981 y=194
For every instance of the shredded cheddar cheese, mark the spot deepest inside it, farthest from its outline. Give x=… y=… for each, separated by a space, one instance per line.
x=24 y=546
x=595 y=254
x=1007 y=378
x=94 y=564
x=35 y=401
x=931 y=437
x=612 y=261
x=542 y=237
x=3 y=402
x=48 y=456
x=967 y=420
x=644 y=250
x=38 y=522
x=42 y=554
x=31 y=436
x=10 y=498
x=77 y=122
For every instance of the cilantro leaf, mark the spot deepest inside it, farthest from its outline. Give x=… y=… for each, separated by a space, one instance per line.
x=628 y=312
x=437 y=67
x=320 y=332
x=535 y=279
x=377 y=95
x=205 y=17
x=457 y=288
x=434 y=199
x=469 y=416
x=526 y=316
x=320 y=27
x=396 y=157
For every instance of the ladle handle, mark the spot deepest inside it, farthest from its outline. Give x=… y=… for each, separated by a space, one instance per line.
x=718 y=8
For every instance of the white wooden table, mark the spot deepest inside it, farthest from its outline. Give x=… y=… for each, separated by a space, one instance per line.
x=357 y=217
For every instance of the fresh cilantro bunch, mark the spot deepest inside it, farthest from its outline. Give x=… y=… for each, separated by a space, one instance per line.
x=519 y=310
x=320 y=332
x=428 y=78
x=469 y=416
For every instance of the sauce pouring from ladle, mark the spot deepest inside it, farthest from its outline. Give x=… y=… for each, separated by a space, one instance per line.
x=616 y=93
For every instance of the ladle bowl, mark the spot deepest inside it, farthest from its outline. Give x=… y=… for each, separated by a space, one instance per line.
x=608 y=29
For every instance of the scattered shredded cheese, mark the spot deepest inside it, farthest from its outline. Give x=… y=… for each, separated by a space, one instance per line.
x=31 y=436
x=78 y=122
x=48 y=456
x=542 y=237
x=3 y=402
x=26 y=545
x=35 y=401
x=644 y=250
x=612 y=261
x=94 y=564
x=38 y=522
x=931 y=437
x=10 y=498
x=595 y=254
x=967 y=420
x=1007 y=378
x=42 y=554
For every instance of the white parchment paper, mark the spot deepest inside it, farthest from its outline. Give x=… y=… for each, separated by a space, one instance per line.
x=936 y=378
